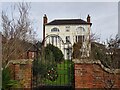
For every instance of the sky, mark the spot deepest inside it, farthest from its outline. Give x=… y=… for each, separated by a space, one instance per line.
x=104 y=15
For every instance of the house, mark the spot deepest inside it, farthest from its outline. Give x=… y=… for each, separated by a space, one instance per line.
x=29 y=50
x=63 y=33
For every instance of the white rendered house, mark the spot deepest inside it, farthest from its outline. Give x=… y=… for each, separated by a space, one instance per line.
x=63 y=33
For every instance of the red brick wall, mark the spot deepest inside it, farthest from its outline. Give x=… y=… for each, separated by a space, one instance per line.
x=22 y=73
x=93 y=76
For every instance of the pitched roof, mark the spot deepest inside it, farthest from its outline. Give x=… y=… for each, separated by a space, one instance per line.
x=68 y=22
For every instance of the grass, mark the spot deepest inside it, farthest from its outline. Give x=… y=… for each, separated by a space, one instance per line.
x=63 y=74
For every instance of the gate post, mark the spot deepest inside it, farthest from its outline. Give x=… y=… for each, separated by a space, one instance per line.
x=82 y=74
x=22 y=72
x=76 y=74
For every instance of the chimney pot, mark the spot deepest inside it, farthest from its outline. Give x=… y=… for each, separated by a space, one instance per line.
x=88 y=18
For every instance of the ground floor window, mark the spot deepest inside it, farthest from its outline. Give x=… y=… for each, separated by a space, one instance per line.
x=79 y=38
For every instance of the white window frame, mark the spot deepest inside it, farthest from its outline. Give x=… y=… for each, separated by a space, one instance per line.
x=67 y=28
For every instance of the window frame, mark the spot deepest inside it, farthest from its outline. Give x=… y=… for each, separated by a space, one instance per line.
x=55 y=29
x=67 y=39
x=67 y=28
x=80 y=30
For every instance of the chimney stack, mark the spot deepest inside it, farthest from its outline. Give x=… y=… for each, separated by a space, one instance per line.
x=44 y=22
x=88 y=18
x=44 y=19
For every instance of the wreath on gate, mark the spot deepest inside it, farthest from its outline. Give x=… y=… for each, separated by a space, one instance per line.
x=52 y=74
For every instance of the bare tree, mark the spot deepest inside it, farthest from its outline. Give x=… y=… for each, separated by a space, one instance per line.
x=113 y=45
x=16 y=31
x=94 y=37
x=113 y=56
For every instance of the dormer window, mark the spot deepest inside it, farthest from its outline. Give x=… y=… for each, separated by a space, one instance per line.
x=67 y=28
x=55 y=30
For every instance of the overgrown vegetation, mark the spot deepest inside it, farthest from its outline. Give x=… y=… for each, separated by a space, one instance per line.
x=7 y=82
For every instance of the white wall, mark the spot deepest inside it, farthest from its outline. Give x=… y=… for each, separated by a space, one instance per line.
x=62 y=33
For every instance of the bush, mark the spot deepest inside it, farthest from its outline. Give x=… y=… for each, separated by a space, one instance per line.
x=39 y=68
x=7 y=82
x=57 y=53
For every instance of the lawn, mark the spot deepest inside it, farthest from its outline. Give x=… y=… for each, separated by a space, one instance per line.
x=64 y=74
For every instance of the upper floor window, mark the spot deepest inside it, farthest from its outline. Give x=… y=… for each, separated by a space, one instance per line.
x=80 y=30
x=55 y=30
x=67 y=28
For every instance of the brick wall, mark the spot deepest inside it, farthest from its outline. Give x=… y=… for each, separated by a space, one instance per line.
x=22 y=71
x=93 y=75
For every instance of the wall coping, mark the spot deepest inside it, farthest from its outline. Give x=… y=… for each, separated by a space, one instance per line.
x=19 y=61
x=98 y=62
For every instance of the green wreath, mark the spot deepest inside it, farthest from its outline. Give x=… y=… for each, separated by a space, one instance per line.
x=52 y=74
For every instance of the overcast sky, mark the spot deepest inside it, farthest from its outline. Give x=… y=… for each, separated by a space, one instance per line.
x=104 y=15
